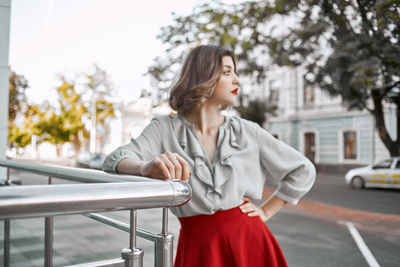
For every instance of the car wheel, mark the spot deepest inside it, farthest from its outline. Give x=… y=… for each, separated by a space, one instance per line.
x=357 y=182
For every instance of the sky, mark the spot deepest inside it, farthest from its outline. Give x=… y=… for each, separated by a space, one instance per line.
x=53 y=37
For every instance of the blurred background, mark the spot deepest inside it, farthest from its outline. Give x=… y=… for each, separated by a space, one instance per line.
x=85 y=77
x=322 y=76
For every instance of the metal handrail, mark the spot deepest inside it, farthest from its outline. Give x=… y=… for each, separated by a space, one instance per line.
x=116 y=192
x=49 y=200
x=73 y=174
x=121 y=226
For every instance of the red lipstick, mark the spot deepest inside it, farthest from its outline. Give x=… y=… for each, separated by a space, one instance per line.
x=235 y=92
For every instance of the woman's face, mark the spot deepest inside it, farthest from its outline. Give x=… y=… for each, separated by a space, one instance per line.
x=226 y=89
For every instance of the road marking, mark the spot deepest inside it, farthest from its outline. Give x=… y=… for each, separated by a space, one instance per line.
x=361 y=245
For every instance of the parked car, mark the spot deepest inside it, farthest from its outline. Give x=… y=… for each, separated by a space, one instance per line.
x=89 y=160
x=385 y=173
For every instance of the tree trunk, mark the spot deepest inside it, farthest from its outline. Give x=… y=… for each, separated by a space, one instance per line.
x=392 y=146
x=76 y=143
x=58 y=150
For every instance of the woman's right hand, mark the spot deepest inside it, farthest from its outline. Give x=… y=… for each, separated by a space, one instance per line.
x=168 y=166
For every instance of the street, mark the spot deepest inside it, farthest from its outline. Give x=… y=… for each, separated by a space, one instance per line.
x=332 y=189
x=319 y=231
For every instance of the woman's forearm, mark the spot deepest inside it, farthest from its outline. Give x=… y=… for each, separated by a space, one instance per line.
x=130 y=166
x=272 y=206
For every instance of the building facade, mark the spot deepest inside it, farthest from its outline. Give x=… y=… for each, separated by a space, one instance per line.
x=320 y=126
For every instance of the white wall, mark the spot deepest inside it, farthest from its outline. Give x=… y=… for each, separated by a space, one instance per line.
x=5 y=7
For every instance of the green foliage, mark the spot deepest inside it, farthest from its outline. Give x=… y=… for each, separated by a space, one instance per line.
x=215 y=23
x=104 y=110
x=59 y=128
x=350 y=49
x=255 y=111
x=18 y=137
x=65 y=122
x=218 y=24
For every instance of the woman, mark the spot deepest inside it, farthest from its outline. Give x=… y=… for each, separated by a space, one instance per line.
x=231 y=159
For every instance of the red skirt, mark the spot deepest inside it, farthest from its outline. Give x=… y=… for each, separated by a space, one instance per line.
x=227 y=238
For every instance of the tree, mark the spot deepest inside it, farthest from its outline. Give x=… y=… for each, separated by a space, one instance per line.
x=349 y=48
x=98 y=86
x=17 y=99
x=62 y=123
x=67 y=122
x=22 y=136
x=255 y=111
x=223 y=25
x=72 y=113
x=214 y=23
x=17 y=137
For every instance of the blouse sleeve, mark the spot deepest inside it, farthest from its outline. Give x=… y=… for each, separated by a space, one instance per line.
x=294 y=173
x=145 y=147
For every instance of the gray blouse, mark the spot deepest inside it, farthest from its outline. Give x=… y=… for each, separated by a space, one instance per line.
x=247 y=157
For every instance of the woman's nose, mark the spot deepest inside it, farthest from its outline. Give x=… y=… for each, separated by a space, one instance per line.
x=236 y=79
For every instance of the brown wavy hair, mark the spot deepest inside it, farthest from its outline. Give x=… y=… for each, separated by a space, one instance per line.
x=198 y=77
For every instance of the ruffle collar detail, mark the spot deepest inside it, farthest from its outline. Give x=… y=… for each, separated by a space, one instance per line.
x=230 y=145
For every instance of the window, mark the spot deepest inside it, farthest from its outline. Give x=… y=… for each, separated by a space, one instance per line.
x=308 y=95
x=385 y=164
x=350 y=145
x=273 y=97
x=398 y=164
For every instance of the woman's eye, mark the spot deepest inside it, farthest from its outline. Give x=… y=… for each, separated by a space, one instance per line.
x=227 y=72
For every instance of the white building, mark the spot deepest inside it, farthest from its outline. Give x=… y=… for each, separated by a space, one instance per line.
x=130 y=121
x=320 y=126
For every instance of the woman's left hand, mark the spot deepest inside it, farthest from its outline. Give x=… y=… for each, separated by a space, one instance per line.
x=252 y=210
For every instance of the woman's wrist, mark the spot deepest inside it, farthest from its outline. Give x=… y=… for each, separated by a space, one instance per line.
x=273 y=206
x=141 y=166
x=130 y=166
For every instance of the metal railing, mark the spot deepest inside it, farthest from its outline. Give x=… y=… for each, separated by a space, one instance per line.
x=111 y=192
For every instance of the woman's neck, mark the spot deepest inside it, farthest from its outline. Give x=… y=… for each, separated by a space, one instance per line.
x=205 y=119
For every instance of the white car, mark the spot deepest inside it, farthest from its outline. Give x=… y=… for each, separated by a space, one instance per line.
x=385 y=173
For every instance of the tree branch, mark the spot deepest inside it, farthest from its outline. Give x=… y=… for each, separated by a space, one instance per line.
x=388 y=88
x=366 y=23
x=347 y=22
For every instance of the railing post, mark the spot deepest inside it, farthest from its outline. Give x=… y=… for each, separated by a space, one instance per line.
x=165 y=221
x=6 y=243
x=164 y=245
x=133 y=256
x=48 y=239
